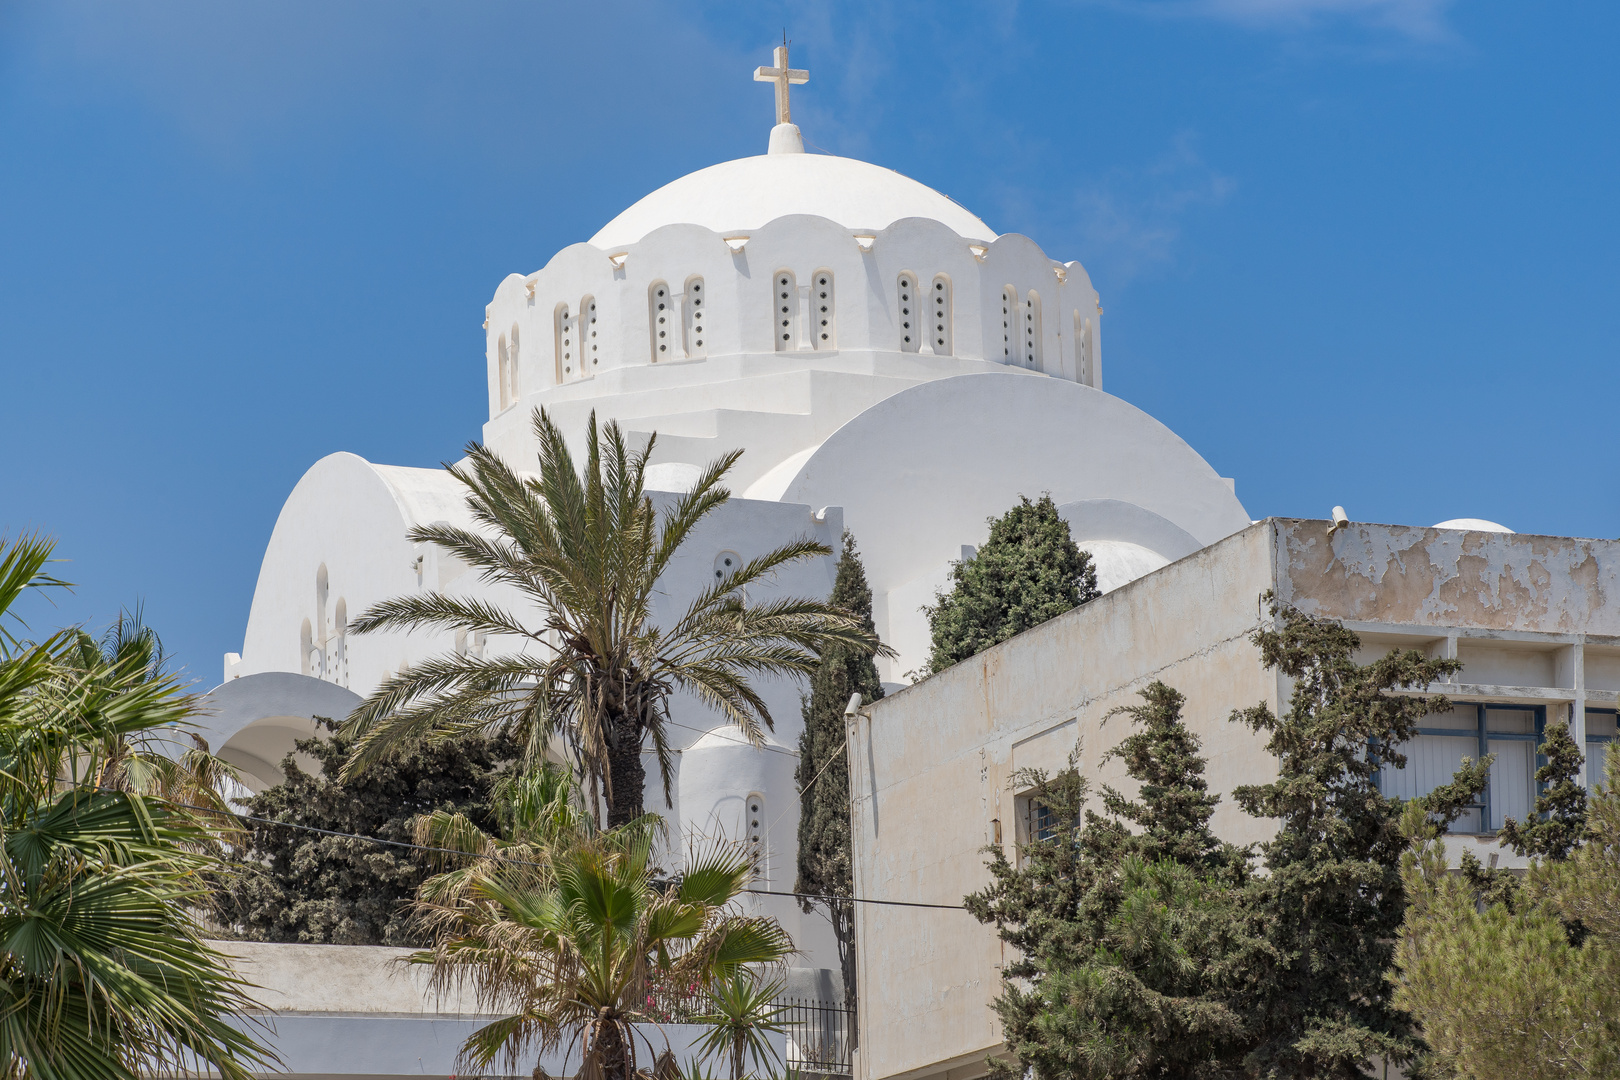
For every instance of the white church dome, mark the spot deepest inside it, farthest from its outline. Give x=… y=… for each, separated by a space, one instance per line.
x=1473 y=525
x=742 y=195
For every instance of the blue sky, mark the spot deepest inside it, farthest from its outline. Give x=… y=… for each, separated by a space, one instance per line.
x=1353 y=251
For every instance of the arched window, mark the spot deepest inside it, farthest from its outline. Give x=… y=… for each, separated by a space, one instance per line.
x=503 y=396
x=910 y=321
x=1032 y=330
x=1082 y=349
x=756 y=830
x=939 y=314
x=513 y=393
x=340 y=650
x=785 y=306
x=660 y=320
x=695 y=318
x=1009 y=320
x=306 y=649
x=590 y=354
x=318 y=661
x=566 y=344
x=823 y=312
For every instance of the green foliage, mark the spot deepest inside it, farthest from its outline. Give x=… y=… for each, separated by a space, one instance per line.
x=103 y=973
x=823 y=770
x=570 y=946
x=1558 y=823
x=1560 y=813
x=1331 y=901
x=1124 y=938
x=742 y=1015
x=1502 y=990
x=296 y=886
x=1027 y=572
x=585 y=547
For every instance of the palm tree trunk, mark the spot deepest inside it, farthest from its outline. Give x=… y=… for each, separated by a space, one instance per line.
x=611 y=1051
x=625 y=770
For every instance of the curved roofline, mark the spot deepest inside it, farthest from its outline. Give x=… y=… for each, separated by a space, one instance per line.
x=747 y=193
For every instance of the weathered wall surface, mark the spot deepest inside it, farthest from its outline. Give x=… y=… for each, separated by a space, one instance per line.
x=932 y=777
x=1535 y=620
x=1450 y=578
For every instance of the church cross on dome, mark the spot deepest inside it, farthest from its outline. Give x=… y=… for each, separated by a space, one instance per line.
x=783 y=76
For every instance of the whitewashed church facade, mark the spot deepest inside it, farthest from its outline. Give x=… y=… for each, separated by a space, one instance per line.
x=887 y=361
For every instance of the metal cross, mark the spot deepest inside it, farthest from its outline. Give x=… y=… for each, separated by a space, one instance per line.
x=783 y=76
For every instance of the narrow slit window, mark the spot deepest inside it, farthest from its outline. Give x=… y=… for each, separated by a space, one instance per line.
x=910 y=324
x=785 y=310
x=1032 y=330
x=1082 y=349
x=823 y=312
x=1009 y=319
x=503 y=395
x=567 y=344
x=340 y=651
x=513 y=393
x=695 y=319
x=756 y=830
x=660 y=316
x=939 y=315
x=590 y=345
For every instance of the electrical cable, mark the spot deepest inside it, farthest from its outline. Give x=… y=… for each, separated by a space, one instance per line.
x=495 y=858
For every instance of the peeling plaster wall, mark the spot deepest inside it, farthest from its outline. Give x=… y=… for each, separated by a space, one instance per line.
x=1451 y=579
x=1535 y=619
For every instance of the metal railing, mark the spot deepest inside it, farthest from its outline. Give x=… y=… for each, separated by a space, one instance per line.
x=820 y=1034
x=821 y=1037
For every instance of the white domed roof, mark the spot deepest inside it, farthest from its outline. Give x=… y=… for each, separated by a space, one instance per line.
x=1473 y=525
x=737 y=196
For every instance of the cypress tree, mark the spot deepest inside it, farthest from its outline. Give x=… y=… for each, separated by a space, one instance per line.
x=1559 y=820
x=1331 y=902
x=1027 y=572
x=1124 y=923
x=823 y=771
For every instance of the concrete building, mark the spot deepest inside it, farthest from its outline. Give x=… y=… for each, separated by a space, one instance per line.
x=1535 y=621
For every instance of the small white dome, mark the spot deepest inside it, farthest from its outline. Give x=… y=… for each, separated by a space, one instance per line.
x=1120 y=562
x=1472 y=525
x=742 y=195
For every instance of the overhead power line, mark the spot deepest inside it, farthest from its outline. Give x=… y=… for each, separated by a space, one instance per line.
x=504 y=858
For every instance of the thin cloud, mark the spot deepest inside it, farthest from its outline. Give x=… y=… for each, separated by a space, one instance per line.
x=1416 y=20
x=1130 y=221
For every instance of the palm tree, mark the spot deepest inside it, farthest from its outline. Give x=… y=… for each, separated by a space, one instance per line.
x=172 y=764
x=586 y=548
x=573 y=946
x=103 y=973
x=742 y=1015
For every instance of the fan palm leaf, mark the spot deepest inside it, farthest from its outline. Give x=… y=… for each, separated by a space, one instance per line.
x=103 y=973
x=589 y=673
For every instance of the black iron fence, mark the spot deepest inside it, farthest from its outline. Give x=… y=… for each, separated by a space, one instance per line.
x=820 y=1037
x=820 y=1034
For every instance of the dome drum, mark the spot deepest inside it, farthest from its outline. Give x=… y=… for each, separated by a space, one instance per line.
x=799 y=286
